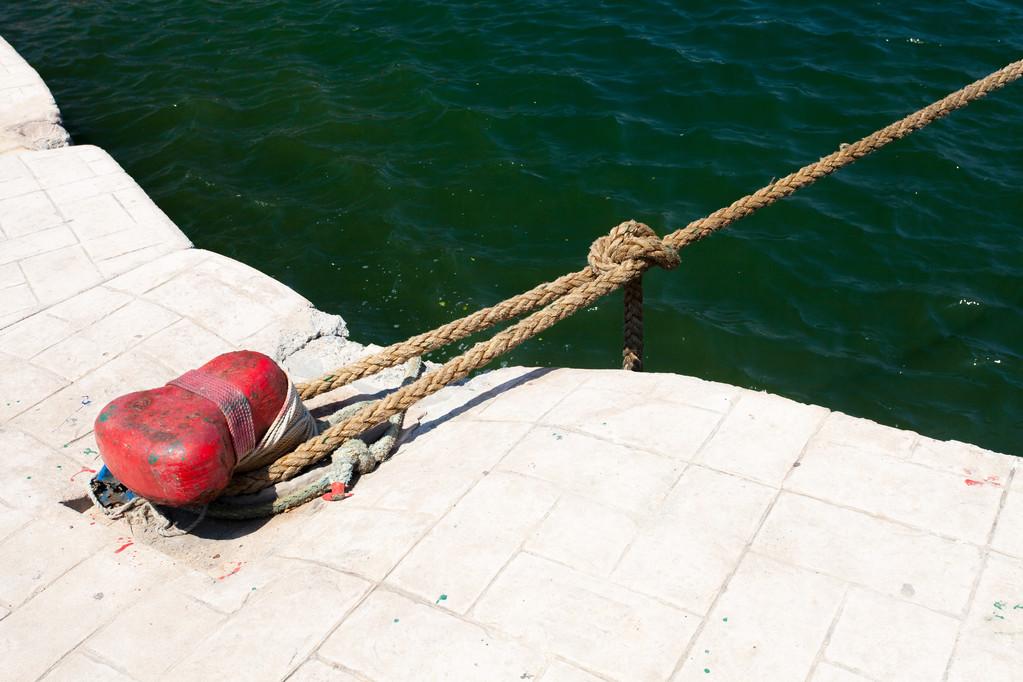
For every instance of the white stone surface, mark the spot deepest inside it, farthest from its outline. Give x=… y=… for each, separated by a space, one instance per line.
x=991 y=640
x=1008 y=537
x=917 y=643
x=77 y=667
x=318 y=671
x=276 y=630
x=561 y=525
x=685 y=553
x=586 y=620
x=392 y=637
x=29 y=118
x=173 y=622
x=769 y=624
x=39 y=633
x=484 y=530
x=762 y=437
x=891 y=558
x=63 y=225
x=901 y=491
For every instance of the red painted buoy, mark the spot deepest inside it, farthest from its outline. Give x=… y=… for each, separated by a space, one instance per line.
x=176 y=447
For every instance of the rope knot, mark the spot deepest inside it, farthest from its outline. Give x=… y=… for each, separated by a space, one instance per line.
x=630 y=241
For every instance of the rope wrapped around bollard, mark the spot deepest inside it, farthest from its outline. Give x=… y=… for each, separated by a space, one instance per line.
x=616 y=260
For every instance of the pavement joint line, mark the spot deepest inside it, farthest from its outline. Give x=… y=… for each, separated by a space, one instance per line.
x=84 y=650
x=120 y=354
x=602 y=438
x=854 y=583
x=611 y=504
x=887 y=519
x=315 y=657
x=723 y=587
x=27 y=282
x=966 y=611
x=610 y=579
x=104 y=259
x=851 y=669
x=827 y=635
x=382 y=582
x=520 y=549
x=1001 y=507
x=565 y=661
x=722 y=590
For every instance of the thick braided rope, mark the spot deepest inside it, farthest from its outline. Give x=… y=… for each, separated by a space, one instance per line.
x=292 y=426
x=694 y=231
x=637 y=241
x=632 y=346
x=451 y=332
x=807 y=175
x=458 y=368
x=584 y=289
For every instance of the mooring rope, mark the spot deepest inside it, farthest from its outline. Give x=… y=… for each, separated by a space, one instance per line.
x=615 y=260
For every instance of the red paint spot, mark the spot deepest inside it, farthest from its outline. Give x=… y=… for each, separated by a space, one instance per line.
x=124 y=546
x=993 y=480
x=83 y=470
x=237 y=567
x=337 y=492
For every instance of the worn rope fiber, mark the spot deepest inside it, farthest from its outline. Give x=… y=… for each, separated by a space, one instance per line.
x=615 y=260
x=293 y=426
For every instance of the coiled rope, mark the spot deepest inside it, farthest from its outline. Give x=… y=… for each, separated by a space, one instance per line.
x=615 y=260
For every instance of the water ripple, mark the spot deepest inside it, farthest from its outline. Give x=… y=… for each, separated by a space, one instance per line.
x=438 y=157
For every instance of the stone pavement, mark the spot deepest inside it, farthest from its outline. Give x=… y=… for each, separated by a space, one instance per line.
x=535 y=524
x=29 y=118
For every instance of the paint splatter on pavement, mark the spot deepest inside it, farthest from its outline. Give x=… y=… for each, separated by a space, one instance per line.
x=237 y=567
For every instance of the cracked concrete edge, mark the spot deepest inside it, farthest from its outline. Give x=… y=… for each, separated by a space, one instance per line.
x=29 y=117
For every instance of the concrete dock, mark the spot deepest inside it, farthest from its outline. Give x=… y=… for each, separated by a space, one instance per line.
x=555 y=525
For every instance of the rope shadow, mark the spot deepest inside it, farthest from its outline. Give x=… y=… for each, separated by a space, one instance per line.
x=426 y=427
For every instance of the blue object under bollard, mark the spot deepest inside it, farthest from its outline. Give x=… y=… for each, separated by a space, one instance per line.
x=109 y=493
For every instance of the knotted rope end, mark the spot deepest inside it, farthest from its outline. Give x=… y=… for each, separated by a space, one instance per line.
x=631 y=240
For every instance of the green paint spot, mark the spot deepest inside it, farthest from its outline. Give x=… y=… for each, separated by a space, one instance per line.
x=1017 y=606
x=153 y=459
x=706 y=670
x=725 y=619
x=395 y=620
x=706 y=651
x=90 y=451
x=441 y=598
x=29 y=478
x=999 y=616
x=999 y=604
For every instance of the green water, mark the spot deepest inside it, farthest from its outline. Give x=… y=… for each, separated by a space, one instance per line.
x=403 y=163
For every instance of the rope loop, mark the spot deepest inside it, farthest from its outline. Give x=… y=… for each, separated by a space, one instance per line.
x=630 y=240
